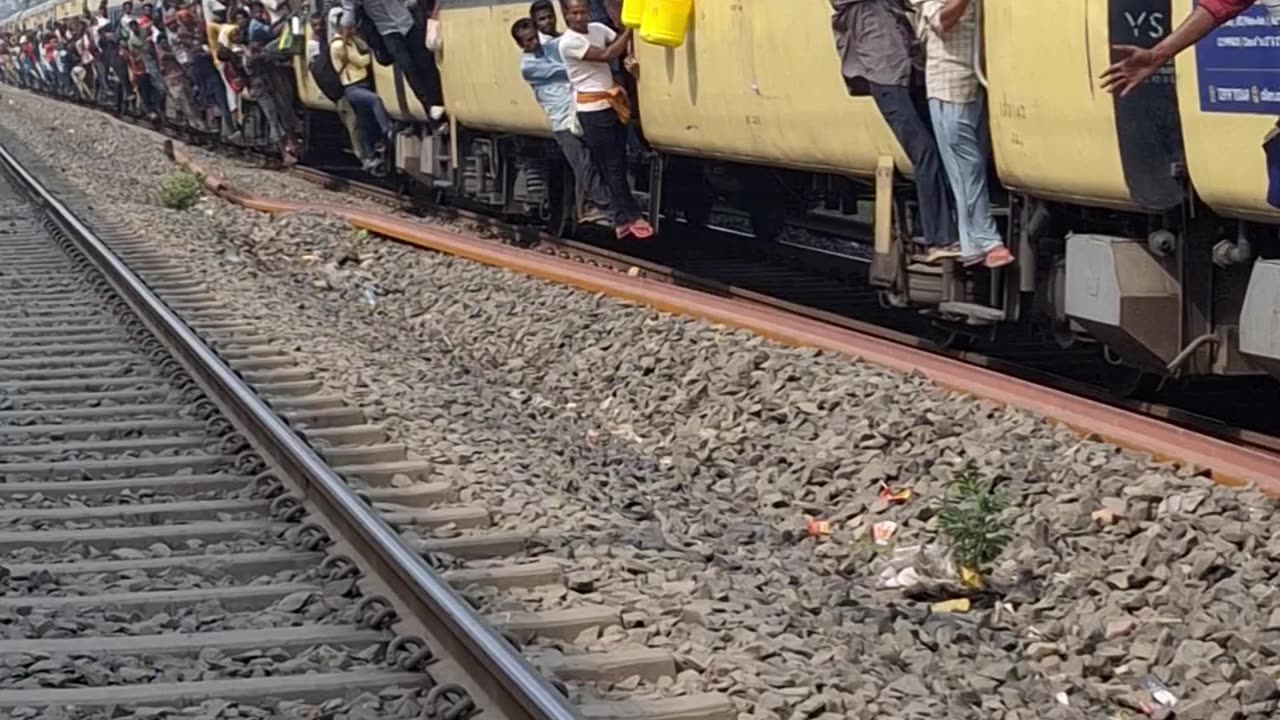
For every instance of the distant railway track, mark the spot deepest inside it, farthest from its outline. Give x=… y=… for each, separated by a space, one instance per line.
x=191 y=519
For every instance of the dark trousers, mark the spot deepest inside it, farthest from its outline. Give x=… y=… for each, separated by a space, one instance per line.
x=909 y=121
x=148 y=99
x=371 y=117
x=122 y=83
x=205 y=76
x=419 y=68
x=103 y=77
x=606 y=137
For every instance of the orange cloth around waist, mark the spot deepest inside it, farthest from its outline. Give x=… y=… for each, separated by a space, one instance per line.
x=617 y=99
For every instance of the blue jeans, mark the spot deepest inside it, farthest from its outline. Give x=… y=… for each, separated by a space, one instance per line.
x=371 y=116
x=965 y=146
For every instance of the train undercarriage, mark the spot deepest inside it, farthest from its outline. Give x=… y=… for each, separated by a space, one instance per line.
x=1160 y=295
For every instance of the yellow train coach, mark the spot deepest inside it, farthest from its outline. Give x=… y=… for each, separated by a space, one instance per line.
x=1140 y=224
x=1136 y=221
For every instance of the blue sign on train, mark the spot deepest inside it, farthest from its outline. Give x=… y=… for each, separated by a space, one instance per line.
x=1239 y=65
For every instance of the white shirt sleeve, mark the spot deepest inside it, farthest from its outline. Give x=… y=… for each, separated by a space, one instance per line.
x=603 y=31
x=574 y=46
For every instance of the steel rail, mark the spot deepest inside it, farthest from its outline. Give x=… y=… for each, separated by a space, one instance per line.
x=494 y=669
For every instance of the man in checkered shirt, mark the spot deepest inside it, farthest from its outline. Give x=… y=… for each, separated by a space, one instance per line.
x=958 y=108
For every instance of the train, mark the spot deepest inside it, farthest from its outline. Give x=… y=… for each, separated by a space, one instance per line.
x=1140 y=224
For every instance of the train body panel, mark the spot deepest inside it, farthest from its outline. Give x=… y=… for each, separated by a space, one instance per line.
x=744 y=88
x=396 y=94
x=480 y=68
x=308 y=92
x=1056 y=133
x=1224 y=144
x=1125 y=258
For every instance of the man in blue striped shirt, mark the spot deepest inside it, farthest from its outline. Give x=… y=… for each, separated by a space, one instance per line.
x=543 y=68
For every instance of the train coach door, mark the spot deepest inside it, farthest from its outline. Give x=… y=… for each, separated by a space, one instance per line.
x=1147 y=122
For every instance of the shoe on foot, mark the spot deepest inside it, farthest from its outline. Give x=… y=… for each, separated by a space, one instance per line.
x=642 y=229
x=622 y=231
x=973 y=260
x=999 y=257
x=938 y=253
x=593 y=216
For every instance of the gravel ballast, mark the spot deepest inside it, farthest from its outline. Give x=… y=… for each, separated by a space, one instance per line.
x=675 y=465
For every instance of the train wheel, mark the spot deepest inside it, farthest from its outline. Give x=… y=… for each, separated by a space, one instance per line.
x=768 y=221
x=696 y=208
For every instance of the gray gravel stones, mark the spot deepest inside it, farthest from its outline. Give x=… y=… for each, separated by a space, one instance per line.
x=207 y=616
x=88 y=670
x=391 y=704
x=675 y=464
x=244 y=542
x=47 y=584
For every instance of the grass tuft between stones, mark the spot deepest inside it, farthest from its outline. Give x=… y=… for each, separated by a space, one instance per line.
x=181 y=190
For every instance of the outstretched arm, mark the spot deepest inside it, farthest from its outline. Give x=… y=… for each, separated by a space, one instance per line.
x=1136 y=64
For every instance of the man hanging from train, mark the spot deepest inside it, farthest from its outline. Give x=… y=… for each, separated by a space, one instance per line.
x=394 y=24
x=879 y=57
x=543 y=68
x=958 y=109
x=1135 y=65
x=604 y=110
x=326 y=78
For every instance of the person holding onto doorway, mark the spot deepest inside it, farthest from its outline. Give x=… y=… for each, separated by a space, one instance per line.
x=1135 y=65
x=958 y=110
x=879 y=57
x=604 y=111
x=543 y=68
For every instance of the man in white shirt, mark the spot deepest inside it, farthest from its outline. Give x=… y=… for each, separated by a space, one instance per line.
x=543 y=68
x=603 y=109
x=958 y=107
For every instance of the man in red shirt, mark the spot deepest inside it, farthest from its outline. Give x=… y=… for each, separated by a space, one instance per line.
x=1134 y=64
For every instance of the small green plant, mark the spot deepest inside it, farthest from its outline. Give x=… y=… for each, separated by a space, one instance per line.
x=181 y=190
x=971 y=515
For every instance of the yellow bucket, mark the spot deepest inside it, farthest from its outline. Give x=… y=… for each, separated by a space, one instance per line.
x=633 y=13
x=666 y=22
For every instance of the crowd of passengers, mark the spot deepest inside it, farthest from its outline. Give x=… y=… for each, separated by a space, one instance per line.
x=194 y=61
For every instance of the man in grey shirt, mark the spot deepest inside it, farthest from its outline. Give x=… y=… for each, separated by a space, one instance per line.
x=395 y=24
x=879 y=57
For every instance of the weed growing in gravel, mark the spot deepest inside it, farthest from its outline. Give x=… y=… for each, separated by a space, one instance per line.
x=181 y=190
x=971 y=515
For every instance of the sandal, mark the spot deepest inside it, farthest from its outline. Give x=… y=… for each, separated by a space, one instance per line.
x=642 y=229
x=999 y=258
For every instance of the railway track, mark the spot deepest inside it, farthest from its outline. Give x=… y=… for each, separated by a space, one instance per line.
x=189 y=521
